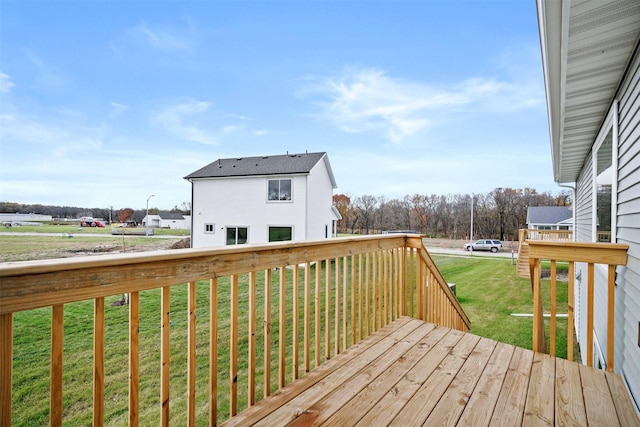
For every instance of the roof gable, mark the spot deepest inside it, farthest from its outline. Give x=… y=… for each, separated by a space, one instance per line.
x=287 y=164
x=548 y=214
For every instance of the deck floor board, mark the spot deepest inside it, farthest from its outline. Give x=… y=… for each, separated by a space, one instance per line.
x=414 y=373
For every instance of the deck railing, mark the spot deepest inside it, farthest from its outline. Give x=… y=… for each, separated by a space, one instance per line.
x=609 y=254
x=300 y=302
x=545 y=235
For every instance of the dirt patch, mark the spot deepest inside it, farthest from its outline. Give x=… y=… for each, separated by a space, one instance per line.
x=181 y=244
x=561 y=275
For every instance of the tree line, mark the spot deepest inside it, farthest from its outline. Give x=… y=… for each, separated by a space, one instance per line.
x=497 y=214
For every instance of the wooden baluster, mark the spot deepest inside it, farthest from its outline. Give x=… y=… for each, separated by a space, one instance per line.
x=251 y=363
x=412 y=284
x=318 y=317
x=570 y=311
x=590 y=289
x=345 y=334
x=552 y=320
x=6 y=367
x=353 y=299
x=57 y=341
x=307 y=317
x=539 y=342
x=213 y=352
x=385 y=288
x=165 y=353
x=191 y=351
x=336 y=322
x=267 y=334
x=233 y=350
x=611 y=285
x=374 y=293
x=98 y=361
x=367 y=295
x=282 y=341
x=360 y=298
x=296 y=322
x=327 y=309
x=134 y=358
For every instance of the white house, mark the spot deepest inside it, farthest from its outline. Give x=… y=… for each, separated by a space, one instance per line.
x=549 y=218
x=263 y=199
x=591 y=63
x=174 y=221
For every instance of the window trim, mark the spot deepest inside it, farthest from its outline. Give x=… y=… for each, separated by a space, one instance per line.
x=290 y=200
x=279 y=226
x=226 y=229
x=213 y=228
x=610 y=125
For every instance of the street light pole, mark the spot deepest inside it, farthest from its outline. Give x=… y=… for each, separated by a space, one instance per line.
x=146 y=223
x=471 y=228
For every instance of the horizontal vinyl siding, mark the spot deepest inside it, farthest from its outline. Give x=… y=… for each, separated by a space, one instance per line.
x=583 y=233
x=628 y=231
x=584 y=202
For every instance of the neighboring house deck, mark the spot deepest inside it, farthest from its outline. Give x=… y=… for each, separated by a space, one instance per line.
x=549 y=218
x=334 y=331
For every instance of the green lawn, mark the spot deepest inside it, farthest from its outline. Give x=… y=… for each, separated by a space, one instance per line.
x=488 y=290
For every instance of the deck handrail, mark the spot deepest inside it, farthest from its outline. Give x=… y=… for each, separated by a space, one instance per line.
x=609 y=254
x=330 y=294
x=525 y=234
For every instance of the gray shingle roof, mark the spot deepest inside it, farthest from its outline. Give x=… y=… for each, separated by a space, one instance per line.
x=548 y=214
x=170 y=215
x=284 y=164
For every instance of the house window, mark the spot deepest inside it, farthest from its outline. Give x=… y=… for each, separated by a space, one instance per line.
x=604 y=180
x=280 y=234
x=209 y=228
x=236 y=235
x=279 y=189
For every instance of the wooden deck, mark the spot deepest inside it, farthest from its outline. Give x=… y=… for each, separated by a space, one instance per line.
x=415 y=373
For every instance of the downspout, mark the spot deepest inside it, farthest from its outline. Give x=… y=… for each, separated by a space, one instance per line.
x=573 y=198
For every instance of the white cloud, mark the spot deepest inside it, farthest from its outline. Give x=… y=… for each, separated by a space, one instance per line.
x=164 y=39
x=5 y=83
x=174 y=118
x=361 y=100
x=117 y=109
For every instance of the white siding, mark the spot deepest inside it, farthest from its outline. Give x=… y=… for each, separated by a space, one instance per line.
x=320 y=201
x=242 y=202
x=628 y=231
x=627 y=306
x=583 y=218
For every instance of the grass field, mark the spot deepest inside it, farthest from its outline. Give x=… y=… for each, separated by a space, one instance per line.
x=62 y=241
x=488 y=289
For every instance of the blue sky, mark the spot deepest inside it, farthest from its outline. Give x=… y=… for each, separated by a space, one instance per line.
x=106 y=102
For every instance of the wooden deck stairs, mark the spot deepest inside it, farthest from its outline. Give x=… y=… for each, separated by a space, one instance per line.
x=522 y=267
x=525 y=235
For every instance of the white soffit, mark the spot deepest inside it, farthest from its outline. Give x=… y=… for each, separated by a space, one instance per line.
x=586 y=48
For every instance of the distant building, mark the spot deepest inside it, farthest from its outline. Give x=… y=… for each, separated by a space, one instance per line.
x=549 y=218
x=17 y=218
x=174 y=221
x=263 y=199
